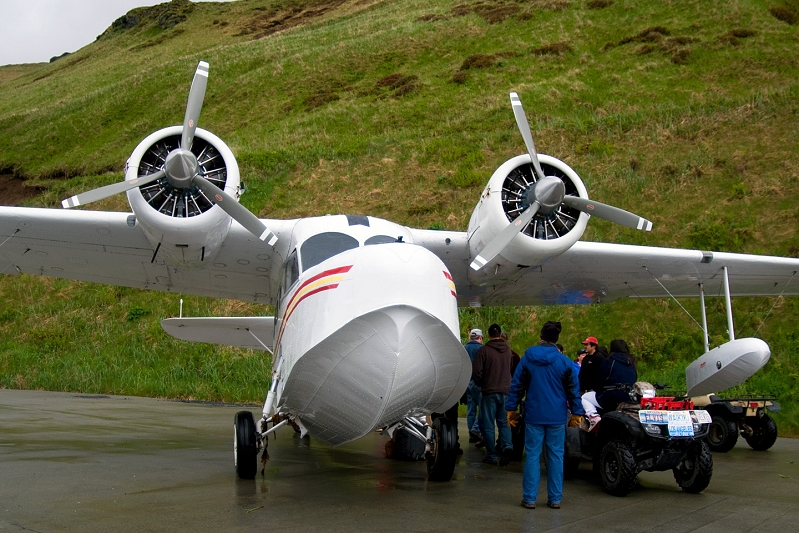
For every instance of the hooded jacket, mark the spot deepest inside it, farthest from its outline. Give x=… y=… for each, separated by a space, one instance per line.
x=548 y=378
x=617 y=370
x=491 y=367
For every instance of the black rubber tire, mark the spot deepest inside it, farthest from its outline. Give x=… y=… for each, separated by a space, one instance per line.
x=618 y=470
x=570 y=466
x=245 y=450
x=694 y=472
x=764 y=432
x=723 y=434
x=441 y=460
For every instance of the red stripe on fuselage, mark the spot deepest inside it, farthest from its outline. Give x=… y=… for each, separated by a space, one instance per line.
x=290 y=309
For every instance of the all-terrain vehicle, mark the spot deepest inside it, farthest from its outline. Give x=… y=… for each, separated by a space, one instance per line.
x=744 y=415
x=649 y=433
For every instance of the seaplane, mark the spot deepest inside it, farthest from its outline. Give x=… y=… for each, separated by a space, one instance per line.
x=365 y=334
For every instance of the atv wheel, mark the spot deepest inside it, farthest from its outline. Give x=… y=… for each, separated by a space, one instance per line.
x=570 y=466
x=723 y=434
x=695 y=470
x=764 y=432
x=617 y=468
x=245 y=450
x=441 y=459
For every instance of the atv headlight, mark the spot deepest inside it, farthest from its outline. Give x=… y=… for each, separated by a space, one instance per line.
x=700 y=430
x=653 y=429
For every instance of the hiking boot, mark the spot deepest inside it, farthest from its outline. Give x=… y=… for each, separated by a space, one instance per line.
x=553 y=505
x=474 y=437
x=528 y=505
x=490 y=461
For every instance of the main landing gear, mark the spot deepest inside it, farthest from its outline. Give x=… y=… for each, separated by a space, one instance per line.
x=248 y=442
x=440 y=441
x=245 y=447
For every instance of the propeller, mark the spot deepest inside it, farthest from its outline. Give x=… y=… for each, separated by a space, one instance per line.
x=182 y=170
x=545 y=196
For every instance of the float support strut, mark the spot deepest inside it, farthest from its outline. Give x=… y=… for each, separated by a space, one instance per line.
x=730 y=326
x=704 y=317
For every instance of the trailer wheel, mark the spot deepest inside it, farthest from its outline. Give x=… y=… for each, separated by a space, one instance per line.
x=695 y=470
x=764 y=432
x=723 y=434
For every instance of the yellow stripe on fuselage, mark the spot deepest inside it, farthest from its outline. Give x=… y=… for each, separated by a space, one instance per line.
x=311 y=286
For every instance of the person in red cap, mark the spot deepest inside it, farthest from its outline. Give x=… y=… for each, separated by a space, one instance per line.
x=589 y=375
x=589 y=369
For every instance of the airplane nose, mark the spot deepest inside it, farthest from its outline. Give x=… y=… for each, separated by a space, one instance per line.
x=375 y=370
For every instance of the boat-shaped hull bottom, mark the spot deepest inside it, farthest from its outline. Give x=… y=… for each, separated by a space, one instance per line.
x=378 y=368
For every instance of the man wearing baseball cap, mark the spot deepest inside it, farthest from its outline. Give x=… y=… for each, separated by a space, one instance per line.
x=589 y=369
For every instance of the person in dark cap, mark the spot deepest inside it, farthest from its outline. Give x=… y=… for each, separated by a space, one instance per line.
x=491 y=372
x=548 y=379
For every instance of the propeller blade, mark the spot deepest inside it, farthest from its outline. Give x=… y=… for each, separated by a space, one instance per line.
x=237 y=212
x=195 y=105
x=110 y=190
x=608 y=212
x=499 y=243
x=524 y=128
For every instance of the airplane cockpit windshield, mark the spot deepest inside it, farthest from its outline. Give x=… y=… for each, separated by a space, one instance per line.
x=324 y=246
x=379 y=239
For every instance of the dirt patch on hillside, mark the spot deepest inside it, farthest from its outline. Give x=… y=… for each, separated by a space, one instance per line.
x=13 y=190
x=266 y=21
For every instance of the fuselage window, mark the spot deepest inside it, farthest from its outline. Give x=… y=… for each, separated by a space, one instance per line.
x=292 y=270
x=324 y=246
x=380 y=239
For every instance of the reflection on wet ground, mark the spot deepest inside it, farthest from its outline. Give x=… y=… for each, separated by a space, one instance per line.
x=86 y=463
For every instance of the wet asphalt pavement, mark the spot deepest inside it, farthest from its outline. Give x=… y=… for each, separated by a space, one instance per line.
x=71 y=462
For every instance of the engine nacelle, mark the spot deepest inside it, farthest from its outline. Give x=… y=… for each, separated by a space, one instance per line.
x=184 y=225
x=504 y=199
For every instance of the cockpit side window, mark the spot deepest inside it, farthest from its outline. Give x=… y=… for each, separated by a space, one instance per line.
x=292 y=271
x=380 y=239
x=324 y=246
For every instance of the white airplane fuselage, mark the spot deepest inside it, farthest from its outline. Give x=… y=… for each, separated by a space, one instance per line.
x=367 y=336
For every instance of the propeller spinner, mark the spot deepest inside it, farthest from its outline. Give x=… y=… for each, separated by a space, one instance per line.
x=182 y=170
x=545 y=196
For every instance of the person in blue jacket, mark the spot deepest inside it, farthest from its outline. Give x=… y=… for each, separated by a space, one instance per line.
x=473 y=394
x=548 y=379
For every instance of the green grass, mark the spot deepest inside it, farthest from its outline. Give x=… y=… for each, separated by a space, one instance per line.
x=684 y=112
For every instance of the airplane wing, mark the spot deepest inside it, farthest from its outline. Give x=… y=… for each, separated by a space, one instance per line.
x=111 y=248
x=592 y=272
x=253 y=332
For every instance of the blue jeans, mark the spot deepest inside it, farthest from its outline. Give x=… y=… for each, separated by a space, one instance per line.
x=492 y=409
x=473 y=396
x=555 y=437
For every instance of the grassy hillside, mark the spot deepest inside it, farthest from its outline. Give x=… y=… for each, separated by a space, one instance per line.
x=684 y=112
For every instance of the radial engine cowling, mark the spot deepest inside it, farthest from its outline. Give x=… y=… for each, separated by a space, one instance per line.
x=505 y=198
x=183 y=224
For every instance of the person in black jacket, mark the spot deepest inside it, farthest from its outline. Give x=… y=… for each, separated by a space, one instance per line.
x=589 y=369
x=615 y=375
